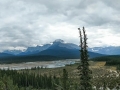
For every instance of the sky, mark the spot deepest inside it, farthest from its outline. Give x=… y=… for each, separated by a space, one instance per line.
x=27 y=23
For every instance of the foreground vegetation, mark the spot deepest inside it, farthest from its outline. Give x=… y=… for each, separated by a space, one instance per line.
x=112 y=60
x=53 y=79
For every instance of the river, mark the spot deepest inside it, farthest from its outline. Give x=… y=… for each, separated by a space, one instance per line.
x=44 y=64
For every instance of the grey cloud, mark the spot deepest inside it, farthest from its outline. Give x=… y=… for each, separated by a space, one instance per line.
x=17 y=37
x=113 y=4
x=26 y=23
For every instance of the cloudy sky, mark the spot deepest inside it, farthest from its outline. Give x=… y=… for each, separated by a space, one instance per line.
x=26 y=23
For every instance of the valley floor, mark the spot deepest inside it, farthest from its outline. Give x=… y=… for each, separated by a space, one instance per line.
x=101 y=75
x=43 y=64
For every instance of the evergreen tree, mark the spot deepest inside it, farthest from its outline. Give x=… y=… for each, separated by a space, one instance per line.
x=65 y=80
x=2 y=86
x=85 y=72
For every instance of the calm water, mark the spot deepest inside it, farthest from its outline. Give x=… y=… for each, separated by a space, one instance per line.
x=44 y=64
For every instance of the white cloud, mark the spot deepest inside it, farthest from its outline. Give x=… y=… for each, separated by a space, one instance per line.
x=26 y=23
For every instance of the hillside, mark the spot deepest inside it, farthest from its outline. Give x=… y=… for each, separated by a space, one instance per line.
x=30 y=58
x=110 y=60
x=107 y=58
x=57 y=50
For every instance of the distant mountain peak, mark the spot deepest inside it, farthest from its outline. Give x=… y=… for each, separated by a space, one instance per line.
x=58 y=41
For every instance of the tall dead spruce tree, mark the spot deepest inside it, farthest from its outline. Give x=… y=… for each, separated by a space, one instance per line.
x=85 y=72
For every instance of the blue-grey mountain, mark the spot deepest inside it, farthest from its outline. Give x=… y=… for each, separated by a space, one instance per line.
x=57 y=50
x=110 y=50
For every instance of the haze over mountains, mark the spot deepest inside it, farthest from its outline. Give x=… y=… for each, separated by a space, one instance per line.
x=57 y=44
x=54 y=51
x=110 y=50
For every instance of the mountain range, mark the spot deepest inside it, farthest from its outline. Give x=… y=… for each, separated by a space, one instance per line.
x=110 y=50
x=56 y=50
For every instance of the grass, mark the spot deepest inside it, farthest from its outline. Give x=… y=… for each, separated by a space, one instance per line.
x=97 y=68
x=72 y=69
x=100 y=73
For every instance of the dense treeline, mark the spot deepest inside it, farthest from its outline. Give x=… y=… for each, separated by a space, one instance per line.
x=30 y=58
x=107 y=58
x=30 y=79
x=110 y=60
x=113 y=62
